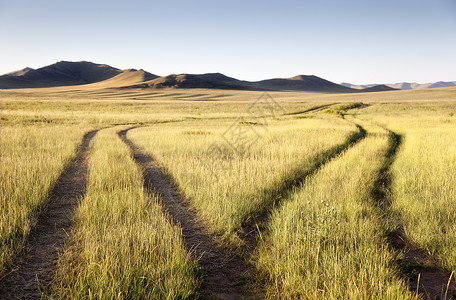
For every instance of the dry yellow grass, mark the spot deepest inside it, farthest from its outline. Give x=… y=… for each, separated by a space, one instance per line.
x=237 y=180
x=424 y=174
x=31 y=159
x=326 y=241
x=227 y=187
x=122 y=245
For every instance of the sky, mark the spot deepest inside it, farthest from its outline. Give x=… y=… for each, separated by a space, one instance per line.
x=356 y=41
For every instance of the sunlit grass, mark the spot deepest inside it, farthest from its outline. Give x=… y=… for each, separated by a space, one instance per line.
x=424 y=175
x=424 y=189
x=122 y=245
x=237 y=179
x=326 y=241
x=31 y=160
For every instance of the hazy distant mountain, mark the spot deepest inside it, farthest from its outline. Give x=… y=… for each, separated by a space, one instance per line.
x=358 y=86
x=405 y=85
x=413 y=85
x=442 y=84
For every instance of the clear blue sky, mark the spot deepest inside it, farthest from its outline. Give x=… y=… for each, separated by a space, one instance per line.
x=353 y=41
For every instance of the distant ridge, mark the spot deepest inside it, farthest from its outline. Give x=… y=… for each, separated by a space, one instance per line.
x=358 y=86
x=207 y=81
x=84 y=74
x=378 y=88
x=20 y=72
x=416 y=86
x=302 y=83
x=220 y=81
x=125 y=78
x=63 y=73
x=405 y=85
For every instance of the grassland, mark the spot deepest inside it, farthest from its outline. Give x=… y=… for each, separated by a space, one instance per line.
x=122 y=245
x=424 y=174
x=232 y=157
x=31 y=159
x=331 y=228
x=231 y=184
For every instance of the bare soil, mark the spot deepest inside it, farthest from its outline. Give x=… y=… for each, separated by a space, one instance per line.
x=33 y=270
x=423 y=273
x=225 y=275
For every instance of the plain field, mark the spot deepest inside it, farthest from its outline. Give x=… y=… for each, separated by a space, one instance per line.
x=232 y=153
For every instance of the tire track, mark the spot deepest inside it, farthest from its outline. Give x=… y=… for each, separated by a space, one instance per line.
x=32 y=272
x=225 y=274
x=312 y=109
x=255 y=227
x=422 y=271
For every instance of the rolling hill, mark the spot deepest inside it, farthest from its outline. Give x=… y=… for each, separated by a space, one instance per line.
x=125 y=78
x=220 y=81
x=20 y=72
x=89 y=75
x=301 y=83
x=63 y=73
x=378 y=88
x=206 y=81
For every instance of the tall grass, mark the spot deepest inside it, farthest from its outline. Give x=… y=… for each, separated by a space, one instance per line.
x=425 y=189
x=31 y=159
x=228 y=186
x=122 y=245
x=424 y=174
x=326 y=241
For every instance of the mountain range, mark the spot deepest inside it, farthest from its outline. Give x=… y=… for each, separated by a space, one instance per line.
x=65 y=73
x=91 y=75
x=404 y=85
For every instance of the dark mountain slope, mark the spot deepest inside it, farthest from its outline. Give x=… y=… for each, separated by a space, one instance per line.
x=302 y=83
x=63 y=73
x=378 y=88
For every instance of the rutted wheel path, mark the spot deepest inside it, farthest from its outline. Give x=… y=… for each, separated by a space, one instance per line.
x=433 y=281
x=223 y=271
x=312 y=109
x=32 y=271
x=256 y=226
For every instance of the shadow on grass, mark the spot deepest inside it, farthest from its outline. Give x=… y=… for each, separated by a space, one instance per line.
x=422 y=272
x=256 y=223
